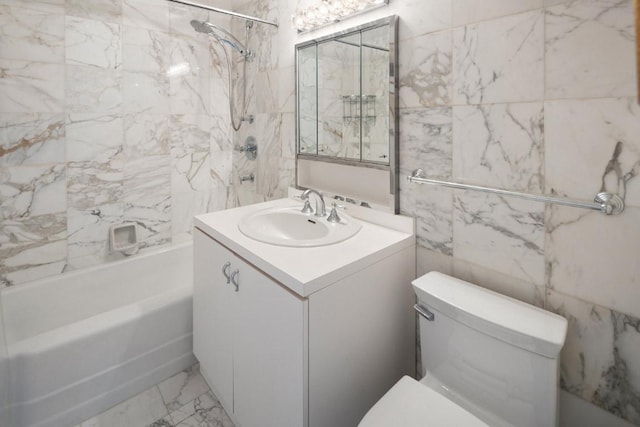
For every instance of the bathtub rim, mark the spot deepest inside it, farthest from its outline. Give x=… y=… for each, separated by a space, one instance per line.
x=26 y=286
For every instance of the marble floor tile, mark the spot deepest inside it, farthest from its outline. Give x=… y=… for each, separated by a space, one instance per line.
x=183 y=400
x=182 y=388
x=139 y=411
x=204 y=410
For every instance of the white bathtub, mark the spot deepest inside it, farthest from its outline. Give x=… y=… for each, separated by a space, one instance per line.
x=80 y=342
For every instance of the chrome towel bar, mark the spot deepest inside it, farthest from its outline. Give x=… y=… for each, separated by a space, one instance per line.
x=607 y=203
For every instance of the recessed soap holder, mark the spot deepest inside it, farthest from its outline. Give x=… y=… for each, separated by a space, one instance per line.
x=124 y=238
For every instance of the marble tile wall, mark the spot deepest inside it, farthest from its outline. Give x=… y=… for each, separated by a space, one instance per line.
x=535 y=96
x=116 y=110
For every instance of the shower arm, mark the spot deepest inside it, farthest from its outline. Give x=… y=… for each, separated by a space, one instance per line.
x=226 y=12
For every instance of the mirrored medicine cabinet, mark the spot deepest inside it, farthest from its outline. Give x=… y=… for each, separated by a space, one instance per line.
x=347 y=98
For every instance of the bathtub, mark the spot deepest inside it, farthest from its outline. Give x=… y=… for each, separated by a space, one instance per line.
x=81 y=342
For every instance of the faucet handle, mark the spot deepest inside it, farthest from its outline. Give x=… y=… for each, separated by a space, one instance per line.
x=306 y=209
x=333 y=216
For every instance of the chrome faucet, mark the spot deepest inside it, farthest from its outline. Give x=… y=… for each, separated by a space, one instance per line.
x=320 y=209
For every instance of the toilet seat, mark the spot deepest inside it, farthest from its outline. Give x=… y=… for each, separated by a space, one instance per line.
x=412 y=404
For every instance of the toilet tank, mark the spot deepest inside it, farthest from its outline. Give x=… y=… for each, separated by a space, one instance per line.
x=494 y=355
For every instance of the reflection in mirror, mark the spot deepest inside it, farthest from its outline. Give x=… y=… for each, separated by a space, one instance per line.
x=346 y=93
x=307 y=100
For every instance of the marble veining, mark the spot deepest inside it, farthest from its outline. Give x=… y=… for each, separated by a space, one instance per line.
x=580 y=243
x=184 y=400
x=599 y=139
x=426 y=71
x=147 y=51
x=31 y=138
x=31 y=34
x=499 y=61
x=428 y=135
x=93 y=90
x=31 y=87
x=504 y=234
x=500 y=145
x=105 y=10
x=90 y=42
x=147 y=198
x=599 y=359
x=592 y=33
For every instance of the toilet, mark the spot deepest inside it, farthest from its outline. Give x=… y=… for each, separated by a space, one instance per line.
x=488 y=360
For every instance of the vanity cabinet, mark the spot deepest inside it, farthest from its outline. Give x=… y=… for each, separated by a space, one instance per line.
x=300 y=342
x=248 y=337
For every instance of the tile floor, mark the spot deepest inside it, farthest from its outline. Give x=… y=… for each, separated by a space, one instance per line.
x=184 y=400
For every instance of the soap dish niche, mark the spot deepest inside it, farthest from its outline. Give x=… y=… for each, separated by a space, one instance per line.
x=124 y=238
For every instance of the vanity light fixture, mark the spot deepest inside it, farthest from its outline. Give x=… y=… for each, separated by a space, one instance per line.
x=331 y=11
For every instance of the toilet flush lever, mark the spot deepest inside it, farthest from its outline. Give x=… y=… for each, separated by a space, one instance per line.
x=424 y=312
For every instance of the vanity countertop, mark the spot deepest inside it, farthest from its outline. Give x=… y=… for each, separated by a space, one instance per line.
x=307 y=270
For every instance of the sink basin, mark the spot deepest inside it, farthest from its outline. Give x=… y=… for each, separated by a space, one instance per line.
x=290 y=227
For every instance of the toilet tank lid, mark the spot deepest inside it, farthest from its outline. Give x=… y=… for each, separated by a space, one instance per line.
x=493 y=314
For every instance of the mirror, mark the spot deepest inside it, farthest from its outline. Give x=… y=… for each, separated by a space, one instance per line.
x=637 y=13
x=347 y=96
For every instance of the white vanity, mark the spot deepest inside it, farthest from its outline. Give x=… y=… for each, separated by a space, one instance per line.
x=303 y=336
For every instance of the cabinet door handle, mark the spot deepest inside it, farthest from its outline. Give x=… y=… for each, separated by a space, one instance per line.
x=234 y=279
x=225 y=271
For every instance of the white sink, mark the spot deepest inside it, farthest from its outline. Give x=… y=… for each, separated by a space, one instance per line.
x=290 y=227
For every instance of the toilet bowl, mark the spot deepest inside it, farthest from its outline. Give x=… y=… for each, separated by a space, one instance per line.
x=410 y=403
x=488 y=360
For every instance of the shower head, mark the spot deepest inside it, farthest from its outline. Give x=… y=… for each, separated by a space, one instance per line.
x=221 y=35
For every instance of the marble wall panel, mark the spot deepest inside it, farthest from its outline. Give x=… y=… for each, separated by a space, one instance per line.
x=147 y=51
x=599 y=360
x=31 y=138
x=95 y=203
x=147 y=198
x=31 y=87
x=93 y=90
x=500 y=145
x=91 y=42
x=32 y=190
x=598 y=138
x=434 y=218
x=426 y=141
x=507 y=284
x=468 y=11
x=49 y=6
x=191 y=56
x=499 y=60
x=104 y=10
x=286 y=91
x=105 y=118
x=149 y=14
x=502 y=234
x=145 y=93
x=189 y=95
x=94 y=137
x=270 y=149
x=594 y=257
x=31 y=34
x=425 y=71
x=32 y=248
x=599 y=38
x=146 y=134
x=435 y=15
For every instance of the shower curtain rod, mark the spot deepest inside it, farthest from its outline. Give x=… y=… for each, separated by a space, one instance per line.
x=226 y=12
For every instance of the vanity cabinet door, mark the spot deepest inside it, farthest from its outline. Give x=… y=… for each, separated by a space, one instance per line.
x=212 y=316
x=269 y=345
x=249 y=337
